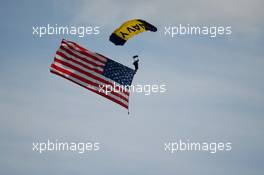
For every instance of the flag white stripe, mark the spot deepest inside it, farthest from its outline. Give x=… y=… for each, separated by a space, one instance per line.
x=88 y=85
x=88 y=78
x=79 y=60
x=87 y=70
x=89 y=52
x=81 y=55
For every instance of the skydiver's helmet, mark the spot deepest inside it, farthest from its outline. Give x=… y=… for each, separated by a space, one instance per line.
x=135 y=56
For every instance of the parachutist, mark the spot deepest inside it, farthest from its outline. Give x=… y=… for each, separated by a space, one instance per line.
x=135 y=63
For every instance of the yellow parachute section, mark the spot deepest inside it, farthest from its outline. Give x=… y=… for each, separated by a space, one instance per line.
x=129 y=29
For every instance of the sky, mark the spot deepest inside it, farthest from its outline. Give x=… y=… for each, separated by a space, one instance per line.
x=215 y=91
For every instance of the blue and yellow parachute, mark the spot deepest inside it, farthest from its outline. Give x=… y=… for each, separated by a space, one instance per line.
x=129 y=29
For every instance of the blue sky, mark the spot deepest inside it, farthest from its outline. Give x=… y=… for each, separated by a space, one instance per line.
x=214 y=89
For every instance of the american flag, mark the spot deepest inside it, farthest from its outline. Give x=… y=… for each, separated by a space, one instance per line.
x=93 y=71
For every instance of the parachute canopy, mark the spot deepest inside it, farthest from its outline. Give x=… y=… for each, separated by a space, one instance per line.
x=129 y=29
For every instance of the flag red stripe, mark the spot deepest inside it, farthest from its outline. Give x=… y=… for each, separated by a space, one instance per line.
x=84 y=52
x=86 y=81
x=100 y=93
x=90 y=75
x=81 y=58
x=92 y=68
x=97 y=71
